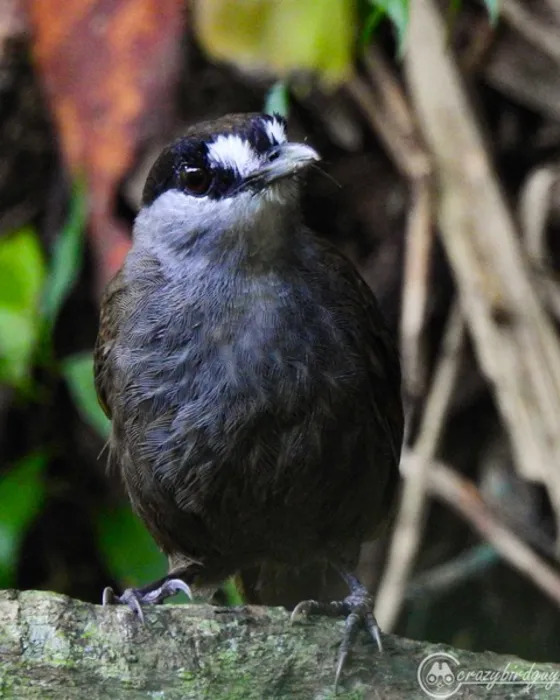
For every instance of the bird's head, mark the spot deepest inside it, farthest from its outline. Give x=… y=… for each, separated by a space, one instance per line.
x=235 y=177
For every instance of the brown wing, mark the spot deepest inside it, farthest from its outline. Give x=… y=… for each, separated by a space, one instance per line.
x=110 y=317
x=383 y=355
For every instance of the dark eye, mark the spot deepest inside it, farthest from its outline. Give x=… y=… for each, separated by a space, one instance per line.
x=196 y=181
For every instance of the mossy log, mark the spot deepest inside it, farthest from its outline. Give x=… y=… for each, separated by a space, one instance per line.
x=54 y=647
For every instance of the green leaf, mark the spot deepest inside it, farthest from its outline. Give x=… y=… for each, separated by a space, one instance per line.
x=280 y=36
x=17 y=340
x=128 y=550
x=278 y=99
x=370 y=25
x=22 y=492
x=492 y=6
x=78 y=373
x=66 y=259
x=232 y=594
x=22 y=271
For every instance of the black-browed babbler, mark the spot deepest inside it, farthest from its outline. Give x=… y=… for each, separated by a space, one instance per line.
x=252 y=384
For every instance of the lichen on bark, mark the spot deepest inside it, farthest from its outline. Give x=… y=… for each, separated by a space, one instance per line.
x=54 y=647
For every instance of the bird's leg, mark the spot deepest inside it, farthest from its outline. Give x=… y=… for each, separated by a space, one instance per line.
x=357 y=608
x=151 y=594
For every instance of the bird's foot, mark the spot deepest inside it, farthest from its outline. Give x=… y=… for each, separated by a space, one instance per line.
x=357 y=608
x=152 y=594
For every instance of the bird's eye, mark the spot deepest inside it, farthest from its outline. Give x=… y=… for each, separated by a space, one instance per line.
x=196 y=181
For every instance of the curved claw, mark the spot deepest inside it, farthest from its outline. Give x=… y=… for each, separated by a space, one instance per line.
x=303 y=609
x=350 y=630
x=341 y=662
x=336 y=608
x=130 y=597
x=373 y=629
x=136 y=597
x=166 y=590
x=108 y=596
x=358 y=610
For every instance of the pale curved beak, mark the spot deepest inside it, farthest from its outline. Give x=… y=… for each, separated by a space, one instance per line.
x=283 y=161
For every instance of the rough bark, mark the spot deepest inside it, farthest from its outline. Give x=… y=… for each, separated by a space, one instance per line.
x=54 y=647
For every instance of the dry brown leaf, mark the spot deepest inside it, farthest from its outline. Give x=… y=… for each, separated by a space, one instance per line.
x=108 y=68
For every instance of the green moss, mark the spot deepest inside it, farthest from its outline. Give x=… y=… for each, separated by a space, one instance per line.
x=55 y=647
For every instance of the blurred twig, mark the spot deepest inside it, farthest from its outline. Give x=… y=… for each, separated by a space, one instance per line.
x=534 y=30
x=443 y=577
x=513 y=337
x=534 y=210
x=463 y=496
x=409 y=524
x=418 y=254
x=383 y=102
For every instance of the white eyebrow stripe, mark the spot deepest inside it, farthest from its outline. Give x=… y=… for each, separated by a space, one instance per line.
x=275 y=130
x=233 y=152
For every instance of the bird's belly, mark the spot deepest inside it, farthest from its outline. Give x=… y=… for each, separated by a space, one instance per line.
x=254 y=442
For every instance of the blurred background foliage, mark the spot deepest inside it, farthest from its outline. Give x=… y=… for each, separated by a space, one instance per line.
x=76 y=139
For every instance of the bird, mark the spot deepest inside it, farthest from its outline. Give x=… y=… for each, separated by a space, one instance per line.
x=253 y=386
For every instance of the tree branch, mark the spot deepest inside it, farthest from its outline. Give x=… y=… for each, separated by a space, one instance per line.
x=55 y=647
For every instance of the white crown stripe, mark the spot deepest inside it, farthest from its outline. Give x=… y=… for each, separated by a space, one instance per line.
x=233 y=152
x=275 y=131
